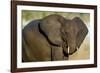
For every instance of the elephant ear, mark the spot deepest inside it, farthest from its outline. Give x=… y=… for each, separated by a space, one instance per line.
x=82 y=31
x=51 y=28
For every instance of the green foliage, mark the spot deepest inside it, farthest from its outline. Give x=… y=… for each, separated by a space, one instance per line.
x=28 y=15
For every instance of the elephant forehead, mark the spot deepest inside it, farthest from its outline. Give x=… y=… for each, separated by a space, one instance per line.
x=71 y=26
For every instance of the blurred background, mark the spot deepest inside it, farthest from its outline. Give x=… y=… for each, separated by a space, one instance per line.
x=84 y=52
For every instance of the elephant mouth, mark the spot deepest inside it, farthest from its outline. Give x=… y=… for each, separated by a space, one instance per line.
x=67 y=51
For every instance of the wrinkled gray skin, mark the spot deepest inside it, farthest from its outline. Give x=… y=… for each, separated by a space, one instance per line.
x=52 y=38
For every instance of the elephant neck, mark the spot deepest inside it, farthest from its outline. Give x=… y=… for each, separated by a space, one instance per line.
x=42 y=32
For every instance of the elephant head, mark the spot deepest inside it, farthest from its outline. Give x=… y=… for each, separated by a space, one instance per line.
x=73 y=34
x=67 y=33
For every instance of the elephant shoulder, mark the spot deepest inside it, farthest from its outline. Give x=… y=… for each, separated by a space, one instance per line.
x=31 y=28
x=32 y=25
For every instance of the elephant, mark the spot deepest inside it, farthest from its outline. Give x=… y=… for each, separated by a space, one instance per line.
x=52 y=38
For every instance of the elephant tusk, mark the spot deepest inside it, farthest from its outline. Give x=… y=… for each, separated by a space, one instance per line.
x=68 y=50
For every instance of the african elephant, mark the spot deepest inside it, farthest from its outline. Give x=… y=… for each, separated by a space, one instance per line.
x=52 y=38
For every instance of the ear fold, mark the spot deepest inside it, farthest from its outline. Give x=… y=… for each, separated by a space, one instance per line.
x=82 y=31
x=51 y=28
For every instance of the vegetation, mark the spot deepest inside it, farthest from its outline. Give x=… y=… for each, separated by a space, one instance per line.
x=28 y=15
